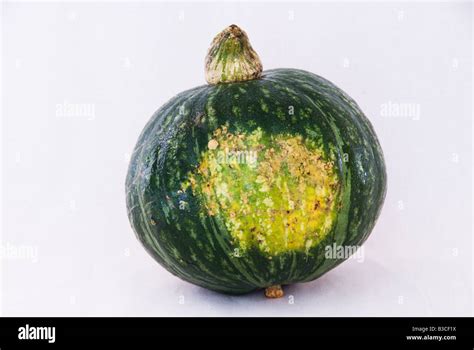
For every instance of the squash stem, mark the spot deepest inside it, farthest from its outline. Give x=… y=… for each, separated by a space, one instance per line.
x=231 y=58
x=274 y=292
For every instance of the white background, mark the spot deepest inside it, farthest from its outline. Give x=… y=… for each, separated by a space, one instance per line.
x=67 y=246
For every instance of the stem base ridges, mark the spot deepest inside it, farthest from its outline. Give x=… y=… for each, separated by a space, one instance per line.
x=231 y=58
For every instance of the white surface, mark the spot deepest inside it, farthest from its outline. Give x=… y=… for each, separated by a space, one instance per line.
x=63 y=176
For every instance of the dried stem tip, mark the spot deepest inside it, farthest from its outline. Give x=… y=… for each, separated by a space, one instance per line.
x=231 y=58
x=274 y=292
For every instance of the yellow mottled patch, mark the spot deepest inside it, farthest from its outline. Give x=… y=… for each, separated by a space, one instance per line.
x=212 y=144
x=286 y=199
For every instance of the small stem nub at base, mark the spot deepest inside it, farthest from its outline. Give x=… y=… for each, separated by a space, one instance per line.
x=274 y=292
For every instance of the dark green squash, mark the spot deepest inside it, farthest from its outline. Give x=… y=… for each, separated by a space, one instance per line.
x=244 y=183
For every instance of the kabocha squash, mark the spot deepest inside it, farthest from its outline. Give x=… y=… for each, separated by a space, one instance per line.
x=243 y=183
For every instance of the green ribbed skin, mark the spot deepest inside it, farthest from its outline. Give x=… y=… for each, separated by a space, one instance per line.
x=197 y=246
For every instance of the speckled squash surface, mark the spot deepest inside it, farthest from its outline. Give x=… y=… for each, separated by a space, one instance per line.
x=243 y=183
